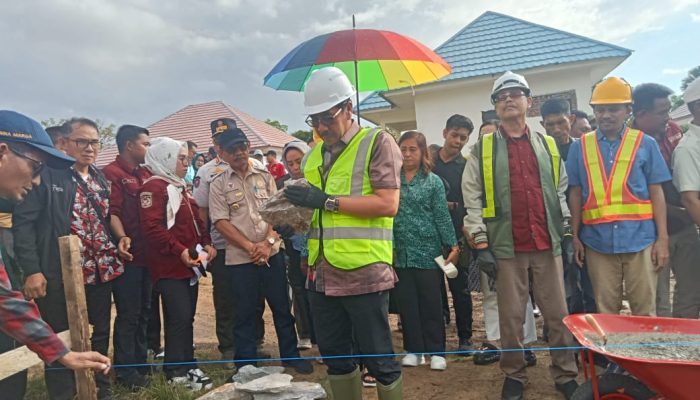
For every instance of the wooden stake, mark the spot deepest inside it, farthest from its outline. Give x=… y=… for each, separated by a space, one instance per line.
x=74 y=288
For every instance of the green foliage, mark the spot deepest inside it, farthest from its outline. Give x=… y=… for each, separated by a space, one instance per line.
x=277 y=124
x=677 y=100
x=303 y=135
x=106 y=131
x=692 y=74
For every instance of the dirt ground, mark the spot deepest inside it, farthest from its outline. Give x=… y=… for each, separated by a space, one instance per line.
x=461 y=381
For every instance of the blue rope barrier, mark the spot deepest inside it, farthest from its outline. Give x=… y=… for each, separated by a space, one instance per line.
x=442 y=353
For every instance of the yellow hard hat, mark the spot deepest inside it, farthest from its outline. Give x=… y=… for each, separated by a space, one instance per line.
x=612 y=90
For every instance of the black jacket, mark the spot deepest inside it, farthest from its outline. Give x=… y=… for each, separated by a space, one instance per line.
x=43 y=217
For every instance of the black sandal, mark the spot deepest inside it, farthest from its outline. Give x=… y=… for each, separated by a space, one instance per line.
x=368 y=380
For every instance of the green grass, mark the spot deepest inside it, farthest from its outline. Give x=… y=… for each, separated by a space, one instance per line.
x=157 y=390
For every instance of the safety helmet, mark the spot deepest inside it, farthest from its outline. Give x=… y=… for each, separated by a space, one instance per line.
x=612 y=90
x=692 y=92
x=326 y=88
x=510 y=80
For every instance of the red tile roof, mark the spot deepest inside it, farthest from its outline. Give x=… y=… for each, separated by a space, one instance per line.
x=192 y=123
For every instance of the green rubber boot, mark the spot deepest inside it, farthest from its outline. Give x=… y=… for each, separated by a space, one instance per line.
x=393 y=391
x=344 y=387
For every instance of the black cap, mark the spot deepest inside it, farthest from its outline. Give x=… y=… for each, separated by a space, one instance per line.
x=222 y=125
x=230 y=137
x=18 y=128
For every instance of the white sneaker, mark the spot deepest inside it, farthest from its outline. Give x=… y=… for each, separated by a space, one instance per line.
x=198 y=380
x=413 y=360
x=180 y=381
x=159 y=356
x=438 y=363
x=304 y=344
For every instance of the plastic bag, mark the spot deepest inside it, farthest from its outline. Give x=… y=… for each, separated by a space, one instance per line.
x=277 y=210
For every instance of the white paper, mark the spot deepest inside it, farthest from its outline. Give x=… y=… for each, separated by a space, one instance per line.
x=203 y=256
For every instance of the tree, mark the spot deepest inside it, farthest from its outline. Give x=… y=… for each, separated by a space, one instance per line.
x=677 y=100
x=107 y=132
x=277 y=124
x=303 y=135
x=692 y=74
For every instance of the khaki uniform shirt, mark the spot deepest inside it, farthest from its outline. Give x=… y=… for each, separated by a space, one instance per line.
x=200 y=192
x=686 y=161
x=236 y=199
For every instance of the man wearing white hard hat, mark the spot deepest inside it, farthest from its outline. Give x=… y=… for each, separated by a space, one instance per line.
x=355 y=182
x=686 y=178
x=514 y=188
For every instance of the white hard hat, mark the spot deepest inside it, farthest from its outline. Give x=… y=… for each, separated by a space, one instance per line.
x=510 y=80
x=692 y=92
x=326 y=88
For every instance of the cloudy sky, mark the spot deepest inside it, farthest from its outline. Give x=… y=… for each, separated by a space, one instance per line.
x=136 y=61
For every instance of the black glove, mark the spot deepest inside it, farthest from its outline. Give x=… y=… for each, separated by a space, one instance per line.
x=486 y=263
x=306 y=196
x=284 y=230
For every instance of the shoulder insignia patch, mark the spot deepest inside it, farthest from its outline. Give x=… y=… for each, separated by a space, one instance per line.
x=196 y=181
x=146 y=199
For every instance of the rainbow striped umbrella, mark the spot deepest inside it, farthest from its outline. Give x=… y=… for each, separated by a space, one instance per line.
x=372 y=60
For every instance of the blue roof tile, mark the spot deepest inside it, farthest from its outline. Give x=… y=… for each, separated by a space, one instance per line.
x=494 y=43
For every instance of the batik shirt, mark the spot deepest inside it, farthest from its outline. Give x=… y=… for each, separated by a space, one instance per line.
x=98 y=253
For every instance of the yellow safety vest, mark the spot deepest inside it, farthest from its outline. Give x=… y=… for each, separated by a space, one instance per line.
x=609 y=198
x=348 y=242
x=487 y=168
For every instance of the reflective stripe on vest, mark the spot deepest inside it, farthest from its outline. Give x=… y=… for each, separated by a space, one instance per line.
x=487 y=167
x=609 y=199
x=348 y=242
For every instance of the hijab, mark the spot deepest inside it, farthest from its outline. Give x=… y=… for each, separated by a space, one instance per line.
x=161 y=160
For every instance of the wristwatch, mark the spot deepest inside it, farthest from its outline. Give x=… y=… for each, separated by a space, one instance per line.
x=332 y=204
x=271 y=240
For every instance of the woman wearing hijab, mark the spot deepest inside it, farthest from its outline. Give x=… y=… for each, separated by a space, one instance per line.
x=172 y=227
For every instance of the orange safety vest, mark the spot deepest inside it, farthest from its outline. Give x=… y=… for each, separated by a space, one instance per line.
x=609 y=198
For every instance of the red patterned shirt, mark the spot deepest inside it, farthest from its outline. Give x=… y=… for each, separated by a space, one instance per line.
x=20 y=320
x=530 y=231
x=99 y=254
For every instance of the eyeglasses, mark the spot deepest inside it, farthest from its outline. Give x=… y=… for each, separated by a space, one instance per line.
x=504 y=95
x=37 y=166
x=184 y=160
x=84 y=143
x=315 y=120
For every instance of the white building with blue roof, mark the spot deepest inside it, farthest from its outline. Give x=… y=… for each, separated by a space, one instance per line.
x=555 y=63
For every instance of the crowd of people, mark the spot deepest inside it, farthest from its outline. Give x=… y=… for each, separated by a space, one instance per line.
x=595 y=209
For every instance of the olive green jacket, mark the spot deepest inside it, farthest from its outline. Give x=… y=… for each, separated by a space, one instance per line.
x=499 y=228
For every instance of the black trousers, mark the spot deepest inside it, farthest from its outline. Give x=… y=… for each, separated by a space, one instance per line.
x=249 y=282
x=132 y=296
x=225 y=305
x=99 y=305
x=153 y=326
x=338 y=319
x=579 y=289
x=60 y=382
x=420 y=306
x=462 y=302
x=179 y=307
x=300 y=301
x=13 y=387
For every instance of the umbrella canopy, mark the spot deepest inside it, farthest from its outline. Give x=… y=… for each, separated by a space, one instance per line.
x=385 y=60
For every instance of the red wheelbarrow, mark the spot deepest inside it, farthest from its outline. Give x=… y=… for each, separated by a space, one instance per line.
x=647 y=379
